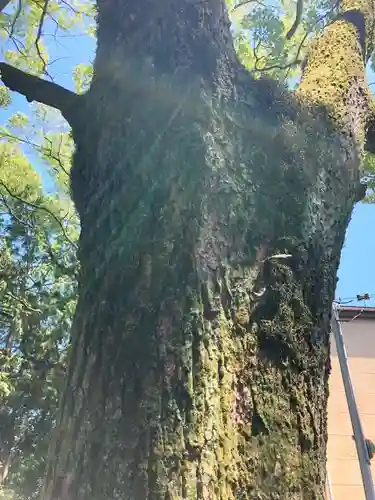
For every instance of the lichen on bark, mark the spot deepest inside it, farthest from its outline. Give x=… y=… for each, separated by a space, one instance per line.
x=213 y=209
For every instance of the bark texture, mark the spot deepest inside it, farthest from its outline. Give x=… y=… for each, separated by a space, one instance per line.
x=213 y=211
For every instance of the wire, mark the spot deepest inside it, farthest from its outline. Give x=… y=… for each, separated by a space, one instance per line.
x=357 y=315
x=358 y=298
x=363 y=297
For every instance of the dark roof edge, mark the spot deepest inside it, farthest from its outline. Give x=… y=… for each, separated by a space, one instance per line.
x=346 y=313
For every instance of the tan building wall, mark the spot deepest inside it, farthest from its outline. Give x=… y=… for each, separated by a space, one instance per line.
x=343 y=465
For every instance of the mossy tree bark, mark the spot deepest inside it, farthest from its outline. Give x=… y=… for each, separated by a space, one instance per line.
x=213 y=211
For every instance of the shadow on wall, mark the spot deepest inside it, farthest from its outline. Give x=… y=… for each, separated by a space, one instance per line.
x=358 y=328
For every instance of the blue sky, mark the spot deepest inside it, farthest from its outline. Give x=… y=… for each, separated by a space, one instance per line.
x=357 y=268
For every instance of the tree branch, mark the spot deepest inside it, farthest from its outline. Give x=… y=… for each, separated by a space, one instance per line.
x=15 y=19
x=36 y=89
x=39 y=34
x=245 y=3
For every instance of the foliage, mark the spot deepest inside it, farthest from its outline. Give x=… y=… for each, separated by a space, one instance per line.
x=260 y=34
x=369 y=177
x=38 y=267
x=38 y=288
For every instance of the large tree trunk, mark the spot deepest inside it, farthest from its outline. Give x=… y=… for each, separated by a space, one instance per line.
x=213 y=211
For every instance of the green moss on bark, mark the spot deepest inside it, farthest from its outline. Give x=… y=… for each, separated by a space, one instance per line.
x=196 y=375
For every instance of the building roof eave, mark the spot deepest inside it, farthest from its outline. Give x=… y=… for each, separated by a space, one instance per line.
x=347 y=313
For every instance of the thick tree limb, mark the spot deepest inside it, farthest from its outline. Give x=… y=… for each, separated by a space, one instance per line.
x=349 y=103
x=36 y=89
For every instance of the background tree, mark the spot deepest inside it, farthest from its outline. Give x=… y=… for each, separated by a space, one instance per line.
x=37 y=297
x=39 y=229
x=200 y=347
